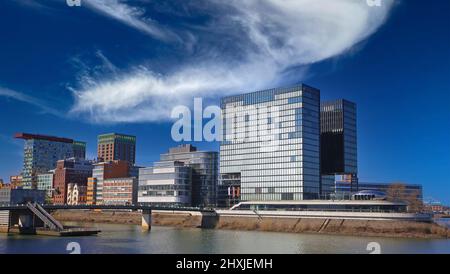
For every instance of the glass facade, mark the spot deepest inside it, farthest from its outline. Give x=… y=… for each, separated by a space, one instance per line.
x=98 y=175
x=79 y=149
x=40 y=156
x=404 y=189
x=272 y=139
x=45 y=182
x=339 y=146
x=338 y=137
x=205 y=171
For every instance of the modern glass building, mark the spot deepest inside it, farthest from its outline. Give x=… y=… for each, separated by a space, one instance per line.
x=338 y=137
x=41 y=154
x=339 y=142
x=166 y=183
x=271 y=144
x=205 y=172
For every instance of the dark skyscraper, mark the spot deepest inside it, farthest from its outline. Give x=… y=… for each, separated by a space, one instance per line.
x=338 y=139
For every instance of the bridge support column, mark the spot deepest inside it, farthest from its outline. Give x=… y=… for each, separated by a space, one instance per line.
x=146 y=220
x=26 y=221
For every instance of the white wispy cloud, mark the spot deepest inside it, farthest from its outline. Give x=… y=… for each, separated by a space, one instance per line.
x=132 y=16
x=22 y=97
x=268 y=38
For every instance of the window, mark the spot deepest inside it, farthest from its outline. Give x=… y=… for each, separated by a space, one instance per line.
x=287 y=196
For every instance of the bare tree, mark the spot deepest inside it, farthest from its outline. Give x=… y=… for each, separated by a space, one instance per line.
x=397 y=193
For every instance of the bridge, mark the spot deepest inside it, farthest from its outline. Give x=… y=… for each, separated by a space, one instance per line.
x=30 y=216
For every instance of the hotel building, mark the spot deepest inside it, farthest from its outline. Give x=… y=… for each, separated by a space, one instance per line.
x=271 y=144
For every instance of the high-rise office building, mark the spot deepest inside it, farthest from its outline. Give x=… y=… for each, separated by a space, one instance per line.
x=205 y=169
x=339 y=143
x=113 y=146
x=41 y=154
x=271 y=144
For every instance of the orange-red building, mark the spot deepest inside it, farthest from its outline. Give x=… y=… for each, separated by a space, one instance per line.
x=103 y=171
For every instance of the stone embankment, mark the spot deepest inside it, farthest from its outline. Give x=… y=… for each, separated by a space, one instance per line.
x=379 y=228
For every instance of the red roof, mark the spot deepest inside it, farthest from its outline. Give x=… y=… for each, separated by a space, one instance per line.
x=28 y=136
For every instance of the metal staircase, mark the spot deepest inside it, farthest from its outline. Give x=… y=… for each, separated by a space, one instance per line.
x=44 y=216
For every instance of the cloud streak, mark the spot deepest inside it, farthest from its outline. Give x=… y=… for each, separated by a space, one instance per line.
x=245 y=45
x=131 y=16
x=18 y=96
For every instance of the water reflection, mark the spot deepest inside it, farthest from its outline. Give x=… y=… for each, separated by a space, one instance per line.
x=130 y=239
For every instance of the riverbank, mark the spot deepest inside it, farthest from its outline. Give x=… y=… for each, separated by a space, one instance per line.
x=378 y=228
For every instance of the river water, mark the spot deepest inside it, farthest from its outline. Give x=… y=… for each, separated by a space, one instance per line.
x=130 y=239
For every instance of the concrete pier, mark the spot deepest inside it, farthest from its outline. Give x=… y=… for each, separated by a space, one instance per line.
x=146 y=220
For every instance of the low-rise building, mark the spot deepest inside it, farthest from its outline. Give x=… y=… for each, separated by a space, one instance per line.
x=166 y=183
x=91 y=192
x=103 y=171
x=3 y=185
x=21 y=196
x=76 y=194
x=120 y=191
x=45 y=182
x=205 y=171
x=403 y=189
x=229 y=191
x=15 y=181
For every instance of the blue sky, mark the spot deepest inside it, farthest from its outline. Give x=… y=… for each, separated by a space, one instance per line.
x=121 y=66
